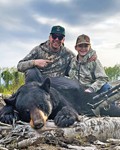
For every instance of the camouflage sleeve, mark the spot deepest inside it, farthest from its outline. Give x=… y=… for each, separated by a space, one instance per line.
x=100 y=76
x=28 y=61
x=69 y=59
x=73 y=69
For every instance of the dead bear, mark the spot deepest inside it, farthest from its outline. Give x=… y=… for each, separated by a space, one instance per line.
x=35 y=103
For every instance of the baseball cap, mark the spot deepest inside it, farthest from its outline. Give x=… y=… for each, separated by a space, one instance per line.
x=83 y=39
x=58 y=30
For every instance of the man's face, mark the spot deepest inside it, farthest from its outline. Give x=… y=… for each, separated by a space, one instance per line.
x=82 y=49
x=56 y=40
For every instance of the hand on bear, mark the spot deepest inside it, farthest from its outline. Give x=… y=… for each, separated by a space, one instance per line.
x=7 y=115
x=65 y=117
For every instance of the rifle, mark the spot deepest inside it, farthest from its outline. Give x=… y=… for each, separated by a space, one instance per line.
x=105 y=99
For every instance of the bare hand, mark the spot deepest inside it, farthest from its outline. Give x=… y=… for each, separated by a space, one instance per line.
x=42 y=62
x=88 y=90
x=92 y=58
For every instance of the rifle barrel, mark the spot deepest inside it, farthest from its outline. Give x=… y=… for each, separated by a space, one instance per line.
x=101 y=95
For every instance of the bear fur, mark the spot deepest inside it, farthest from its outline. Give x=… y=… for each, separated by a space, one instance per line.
x=61 y=100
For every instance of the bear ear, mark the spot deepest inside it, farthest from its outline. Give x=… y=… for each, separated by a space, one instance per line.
x=46 y=85
x=12 y=99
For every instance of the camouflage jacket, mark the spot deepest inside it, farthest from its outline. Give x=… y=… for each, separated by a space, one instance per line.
x=58 y=67
x=89 y=74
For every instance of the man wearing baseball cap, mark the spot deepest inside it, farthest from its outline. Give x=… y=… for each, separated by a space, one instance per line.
x=58 y=30
x=86 y=68
x=50 y=58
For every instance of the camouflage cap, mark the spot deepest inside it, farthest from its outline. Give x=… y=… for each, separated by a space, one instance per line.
x=58 y=30
x=83 y=39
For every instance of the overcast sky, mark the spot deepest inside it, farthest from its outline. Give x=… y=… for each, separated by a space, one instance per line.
x=26 y=23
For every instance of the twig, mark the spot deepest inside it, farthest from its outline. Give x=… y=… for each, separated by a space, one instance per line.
x=3 y=148
x=23 y=143
x=4 y=124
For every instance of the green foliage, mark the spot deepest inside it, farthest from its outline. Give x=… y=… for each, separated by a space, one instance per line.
x=7 y=77
x=12 y=80
x=113 y=72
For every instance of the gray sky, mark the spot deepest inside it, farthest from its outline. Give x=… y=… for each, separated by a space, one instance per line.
x=26 y=23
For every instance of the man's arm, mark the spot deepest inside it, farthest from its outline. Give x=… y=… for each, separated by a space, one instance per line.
x=100 y=77
x=28 y=61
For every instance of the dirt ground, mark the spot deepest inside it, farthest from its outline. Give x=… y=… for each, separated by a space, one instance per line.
x=57 y=142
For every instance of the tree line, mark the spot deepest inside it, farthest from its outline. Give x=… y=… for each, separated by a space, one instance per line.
x=11 y=79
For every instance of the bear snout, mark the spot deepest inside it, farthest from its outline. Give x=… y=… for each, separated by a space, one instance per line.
x=38 y=118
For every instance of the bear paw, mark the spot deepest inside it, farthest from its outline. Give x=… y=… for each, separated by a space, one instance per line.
x=65 y=117
x=7 y=115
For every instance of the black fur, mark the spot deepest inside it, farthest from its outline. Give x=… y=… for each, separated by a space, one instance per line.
x=62 y=100
x=66 y=97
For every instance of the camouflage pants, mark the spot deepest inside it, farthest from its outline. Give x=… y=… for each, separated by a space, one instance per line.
x=33 y=74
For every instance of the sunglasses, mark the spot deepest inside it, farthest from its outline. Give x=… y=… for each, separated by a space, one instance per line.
x=83 y=45
x=55 y=36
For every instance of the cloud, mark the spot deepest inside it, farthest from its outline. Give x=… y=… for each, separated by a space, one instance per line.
x=117 y=45
x=60 y=1
x=26 y=23
x=79 y=11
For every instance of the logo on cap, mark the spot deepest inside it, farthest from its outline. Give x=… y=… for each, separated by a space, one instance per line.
x=83 y=39
x=58 y=30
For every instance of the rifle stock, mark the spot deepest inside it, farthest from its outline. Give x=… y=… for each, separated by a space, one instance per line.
x=106 y=93
x=96 y=111
x=109 y=97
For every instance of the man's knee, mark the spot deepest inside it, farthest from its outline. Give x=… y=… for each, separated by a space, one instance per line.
x=105 y=88
x=33 y=74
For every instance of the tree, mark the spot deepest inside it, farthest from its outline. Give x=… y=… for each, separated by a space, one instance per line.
x=18 y=79
x=7 y=77
x=113 y=72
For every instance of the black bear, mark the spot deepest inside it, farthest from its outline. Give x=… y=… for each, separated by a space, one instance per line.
x=35 y=103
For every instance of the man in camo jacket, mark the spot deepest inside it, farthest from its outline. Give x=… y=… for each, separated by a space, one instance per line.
x=50 y=58
x=89 y=73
